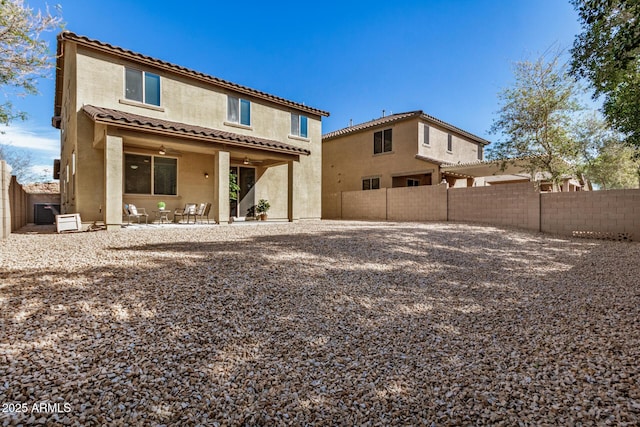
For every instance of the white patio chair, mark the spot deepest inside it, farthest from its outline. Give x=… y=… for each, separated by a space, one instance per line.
x=133 y=211
x=188 y=211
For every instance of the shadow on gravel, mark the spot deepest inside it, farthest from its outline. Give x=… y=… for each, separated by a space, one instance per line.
x=393 y=325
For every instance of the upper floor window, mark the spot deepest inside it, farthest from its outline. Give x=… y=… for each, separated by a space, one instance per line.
x=449 y=143
x=299 y=125
x=426 y=135
x=150 y=174
x=382 y=141
x=142 y=86
x=238 y=110
x=480 y=152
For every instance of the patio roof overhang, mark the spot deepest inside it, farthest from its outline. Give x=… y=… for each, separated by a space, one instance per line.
x=484 y=168
x=196 y=138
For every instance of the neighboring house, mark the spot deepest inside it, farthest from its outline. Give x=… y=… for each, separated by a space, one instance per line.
x=135 y=129
x=399 y=150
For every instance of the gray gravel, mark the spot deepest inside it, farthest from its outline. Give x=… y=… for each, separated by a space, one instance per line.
x=322 y=323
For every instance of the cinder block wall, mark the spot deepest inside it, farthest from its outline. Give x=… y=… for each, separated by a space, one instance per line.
x=423 y=203
x=5 y=207
x=513 y=205
x=18 y=201
x=611 y=211
x=370 y=204
x=331 y=205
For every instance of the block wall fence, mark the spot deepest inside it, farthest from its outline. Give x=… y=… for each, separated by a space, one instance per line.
x=604 y=214
x=13 y=202
x=5 y=207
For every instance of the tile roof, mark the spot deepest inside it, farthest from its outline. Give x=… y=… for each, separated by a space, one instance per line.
x=125 y=53
x=135 y=121
x=372 y=123
x=399 y=117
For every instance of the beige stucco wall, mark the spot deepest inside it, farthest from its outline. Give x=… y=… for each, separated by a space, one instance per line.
x=92 y=78
x=463 y=150
x=182 y=100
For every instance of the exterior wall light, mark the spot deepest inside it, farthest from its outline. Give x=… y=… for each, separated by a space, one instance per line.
x=206 y=175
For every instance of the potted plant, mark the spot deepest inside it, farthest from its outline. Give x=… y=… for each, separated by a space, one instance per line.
x=161 y=205
x=262 y=208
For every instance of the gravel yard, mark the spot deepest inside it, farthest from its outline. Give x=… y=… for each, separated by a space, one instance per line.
x=321 y=323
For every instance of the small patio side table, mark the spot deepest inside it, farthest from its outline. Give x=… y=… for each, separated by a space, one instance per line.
x=162 y=215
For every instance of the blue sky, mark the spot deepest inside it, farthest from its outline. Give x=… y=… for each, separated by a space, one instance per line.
x=351 y=58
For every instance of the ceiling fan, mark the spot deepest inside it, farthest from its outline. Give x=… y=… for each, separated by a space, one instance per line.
x=168 y=151
x=247 y=161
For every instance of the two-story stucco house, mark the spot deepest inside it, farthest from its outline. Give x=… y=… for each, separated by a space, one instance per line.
x=136 y=129
x=399 y=150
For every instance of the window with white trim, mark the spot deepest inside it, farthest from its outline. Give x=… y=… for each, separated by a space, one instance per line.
x=299 y=125
x=382 y=141
x=426 y=135
x=449 y=143
x=141 y=86
x=371 y=183
x=238 y=110
x=73 y=175
x=145 y=174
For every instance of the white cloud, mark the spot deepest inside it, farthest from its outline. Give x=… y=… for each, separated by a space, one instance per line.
x=32 y=137
x=42 y=172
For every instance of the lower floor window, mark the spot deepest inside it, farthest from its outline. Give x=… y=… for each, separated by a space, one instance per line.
x=150 y=175
x=371 y=183
x=412 y=182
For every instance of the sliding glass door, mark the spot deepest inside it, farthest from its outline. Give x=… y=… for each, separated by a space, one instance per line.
x=245 y=196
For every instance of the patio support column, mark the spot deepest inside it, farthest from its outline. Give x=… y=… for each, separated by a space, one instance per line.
x=221 y=188
x=293 y=212
x=112 y=204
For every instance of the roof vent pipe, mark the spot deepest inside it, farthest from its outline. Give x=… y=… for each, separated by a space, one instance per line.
x=382 y=113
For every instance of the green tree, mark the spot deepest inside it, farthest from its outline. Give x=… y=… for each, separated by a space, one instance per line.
x=535 y=119
x=24 y=56
x=607 y=54
x=233 y=186
x=606 y=160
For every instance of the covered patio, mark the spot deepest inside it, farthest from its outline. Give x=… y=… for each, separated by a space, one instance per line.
x=148 y=160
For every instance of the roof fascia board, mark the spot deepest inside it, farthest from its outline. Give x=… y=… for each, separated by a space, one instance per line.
x=453 y=128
